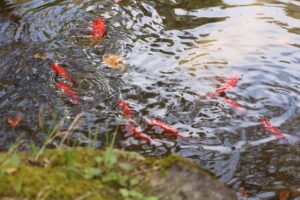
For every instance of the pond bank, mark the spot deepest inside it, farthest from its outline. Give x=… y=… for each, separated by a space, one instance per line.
x=79 y=173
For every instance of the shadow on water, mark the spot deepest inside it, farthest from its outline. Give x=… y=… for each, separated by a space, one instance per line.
x=176 y=52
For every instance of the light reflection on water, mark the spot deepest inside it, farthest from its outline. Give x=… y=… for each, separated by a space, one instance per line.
x=176 y=52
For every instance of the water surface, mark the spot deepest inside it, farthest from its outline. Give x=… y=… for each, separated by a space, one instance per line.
x=176 y=52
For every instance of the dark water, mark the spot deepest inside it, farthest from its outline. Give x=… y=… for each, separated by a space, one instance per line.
x=176 y=51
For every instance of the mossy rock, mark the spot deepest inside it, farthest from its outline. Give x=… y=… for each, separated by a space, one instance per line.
x=80 y=173
x=183 y=180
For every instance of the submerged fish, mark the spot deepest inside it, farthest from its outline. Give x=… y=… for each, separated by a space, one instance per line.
x=60 y=71
x=14 y=121
x=166 y=128
x=138 y=134
x=66 y=89
x=224 y=87
x=272 y=129
x=98 y=29
x=234 y=104
x=125 y=108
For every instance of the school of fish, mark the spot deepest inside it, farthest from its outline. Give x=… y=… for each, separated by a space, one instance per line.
x=98 y=29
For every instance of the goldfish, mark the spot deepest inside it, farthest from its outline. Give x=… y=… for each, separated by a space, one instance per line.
x=60 y=71
x=234 y=104
x=125 y=108
x=137 y=134
x=284 y=41
x=272 y=129
x=166 y=128
x=14 y=122
x=66 y=89
x=98 y=29
x=224 y=87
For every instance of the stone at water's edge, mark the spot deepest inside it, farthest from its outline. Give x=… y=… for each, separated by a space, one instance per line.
x=185 y=181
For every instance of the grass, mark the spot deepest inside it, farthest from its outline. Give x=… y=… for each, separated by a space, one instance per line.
x=72 y=173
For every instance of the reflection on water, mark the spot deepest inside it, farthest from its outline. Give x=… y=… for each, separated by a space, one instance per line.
x=176 y=52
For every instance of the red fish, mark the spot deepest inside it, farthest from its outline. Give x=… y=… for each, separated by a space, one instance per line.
x=14 y=122
x=60 y=71
x=224 y=87
x=66 y=89
x=166 y=128
x=125 y=108
x=98 y=29
x=234 y=104
x=137 y=134
x=272 y=129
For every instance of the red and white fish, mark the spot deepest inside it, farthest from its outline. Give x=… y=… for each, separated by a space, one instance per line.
x=224 y=87
x=272 y=129
x=14 y=121
x=98 y=29
x=60 y=71
x=125 y=108
x=165 y=127
x=67 y=90
x=138 y=134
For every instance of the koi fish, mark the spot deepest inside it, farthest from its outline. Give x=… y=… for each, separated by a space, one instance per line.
x=224 y=87
x=272 y=129
x=137 y=134
x=14 y=122
x=234 y=104
x=125 y=108
x=284 y=41
x=98 y=29
x=60 y=71
x=166 y=128
x=66 y=89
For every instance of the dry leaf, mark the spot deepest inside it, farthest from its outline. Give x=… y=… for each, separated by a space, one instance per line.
x=113 y=61
x=11 y=170
x=40 y=55
x=14 y=122
x=284 y=194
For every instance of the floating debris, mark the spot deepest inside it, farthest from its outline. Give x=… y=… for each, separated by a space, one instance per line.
x=114 y=61
x=14 y=121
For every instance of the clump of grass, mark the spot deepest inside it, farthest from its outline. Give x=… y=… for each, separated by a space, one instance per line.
x=72 y=173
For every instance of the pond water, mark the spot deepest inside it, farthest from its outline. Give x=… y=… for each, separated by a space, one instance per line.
x=176 y=52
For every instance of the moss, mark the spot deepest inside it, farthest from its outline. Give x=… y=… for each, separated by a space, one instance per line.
x=62 y=174
x=83 y=173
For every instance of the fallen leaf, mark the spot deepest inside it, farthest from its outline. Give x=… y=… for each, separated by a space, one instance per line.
x=113 y=61
x=284 y=194
x=14 y=122
x=40 y=55
x=11 y=170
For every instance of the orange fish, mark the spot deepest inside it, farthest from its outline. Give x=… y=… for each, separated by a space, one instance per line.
x=166 y=128
x=60 y=71
x=272 y=129
x=224 y=87
x=14 y=122
x=66 y=89
x=234 y=104
x=98 y=29
x=284 y=41
x=125 y=108
x=137 y=134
